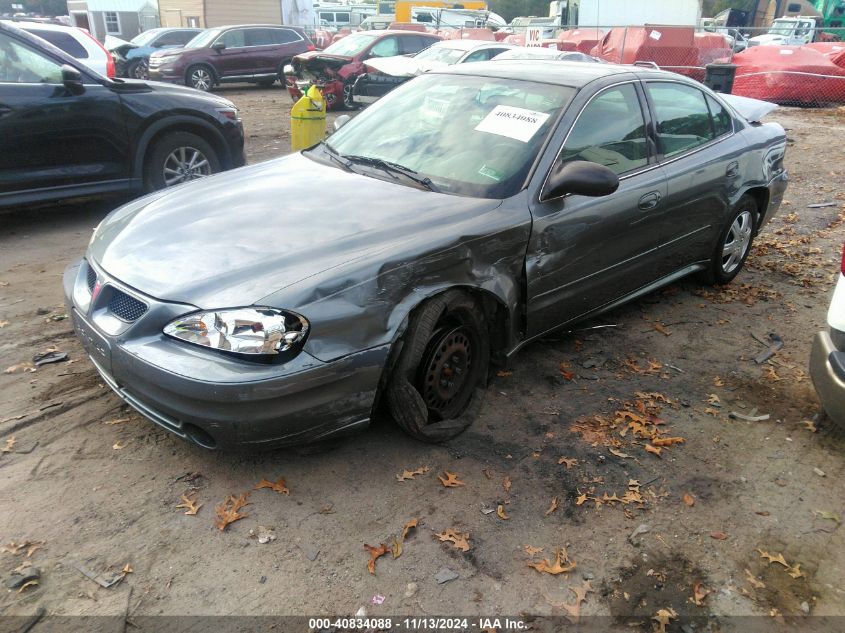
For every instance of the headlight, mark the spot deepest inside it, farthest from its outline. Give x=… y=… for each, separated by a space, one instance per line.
x=255 y=332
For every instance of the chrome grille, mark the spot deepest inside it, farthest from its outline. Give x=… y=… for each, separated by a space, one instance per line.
x=92 y=278
x=126 y=307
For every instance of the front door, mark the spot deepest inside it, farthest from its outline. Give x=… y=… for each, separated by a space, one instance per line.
x=586 y=252
x=50 y=137
x=235 y=59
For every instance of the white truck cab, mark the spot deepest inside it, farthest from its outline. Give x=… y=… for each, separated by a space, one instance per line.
x=787 y=32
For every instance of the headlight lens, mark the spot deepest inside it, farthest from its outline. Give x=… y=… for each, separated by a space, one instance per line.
x=252 y=332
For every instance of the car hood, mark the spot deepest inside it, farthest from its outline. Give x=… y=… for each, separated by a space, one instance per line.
x=401 y=66
x=237 y=237
x=318 y=63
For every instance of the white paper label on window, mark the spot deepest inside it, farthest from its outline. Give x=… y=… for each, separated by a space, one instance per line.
x=516 y=123
x=655 y=35
x=786 y=51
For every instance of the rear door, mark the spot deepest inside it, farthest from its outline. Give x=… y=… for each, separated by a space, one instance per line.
x=50 y=137
x=288 y=43
x=584 y=253
x=261 y=43
x=704 y=163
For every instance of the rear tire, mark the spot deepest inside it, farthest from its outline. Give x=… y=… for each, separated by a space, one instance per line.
x=200 y=77
x=438 y=384
x=734 y=243
x=179 y=157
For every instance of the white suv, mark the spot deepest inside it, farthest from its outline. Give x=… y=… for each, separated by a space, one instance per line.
x=74 y=41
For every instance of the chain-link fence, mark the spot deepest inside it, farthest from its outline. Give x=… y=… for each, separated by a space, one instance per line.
x=789 y=63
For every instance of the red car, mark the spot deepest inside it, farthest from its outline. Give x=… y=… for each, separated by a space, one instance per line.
x=335 y=69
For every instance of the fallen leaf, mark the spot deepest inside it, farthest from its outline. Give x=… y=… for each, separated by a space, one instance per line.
x=552 y=507
x=757 y=584
x=689 y=500
x=699 y=593
x=564 y=371
x=504 y=374
x=652 y=449
x=117 y=421
x=450 y=480
x=375 y=553
x=713 y=399
x=20 y=368
x=719 y=536
x=580 y=499
x=771 y=375
x=127 y=569
x=574 y=609
x=506 y=484
x=410 y=525
x=772 y=558
x=667 y=441
x=500 y=512
x=458 y=539
x=795 y=571
x=3 y=324
x=119 y=445
x=229 y=511
x=662 y=618
x=718 y=382
x=613 y=451
x=830 y=516
x=569 y=462
x=763 y=513
x=278 y=486
x=190 y=504
x=532 y=551
x=327 y=509
x=810 y=426
x=10 y=443
x=659 y=327
x=410 y=474
x=561 y=564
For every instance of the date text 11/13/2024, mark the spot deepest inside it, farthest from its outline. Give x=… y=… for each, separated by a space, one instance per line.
x=419 y=624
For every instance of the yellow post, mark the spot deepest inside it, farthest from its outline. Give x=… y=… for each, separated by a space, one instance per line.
x=308 y=120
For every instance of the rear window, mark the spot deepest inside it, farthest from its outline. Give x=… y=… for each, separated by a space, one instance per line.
x=62 y=40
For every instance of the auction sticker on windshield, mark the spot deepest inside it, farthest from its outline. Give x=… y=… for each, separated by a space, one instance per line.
x=516 y=123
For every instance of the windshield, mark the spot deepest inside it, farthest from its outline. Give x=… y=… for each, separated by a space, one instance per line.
x=145 y=38
x=442 y=54
x=204 y=39
x=781 y=28
x=351 y=45
x=472 y=136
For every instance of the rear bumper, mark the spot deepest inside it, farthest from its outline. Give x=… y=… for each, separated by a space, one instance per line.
x=777 y=189
x=827 y=370
x=216 y=401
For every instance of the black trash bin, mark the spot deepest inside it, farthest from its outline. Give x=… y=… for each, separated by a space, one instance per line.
x=720 y=77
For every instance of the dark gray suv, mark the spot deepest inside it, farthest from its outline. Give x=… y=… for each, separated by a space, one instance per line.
x=227 y=54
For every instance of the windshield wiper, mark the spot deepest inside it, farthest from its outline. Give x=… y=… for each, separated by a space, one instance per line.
x=333 y=154
x=392 y=168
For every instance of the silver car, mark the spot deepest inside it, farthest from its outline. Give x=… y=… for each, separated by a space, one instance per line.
x=467 y=213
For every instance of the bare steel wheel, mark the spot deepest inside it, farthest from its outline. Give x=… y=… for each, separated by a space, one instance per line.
x=184 y=164
x=446 y=370
x=734 y=244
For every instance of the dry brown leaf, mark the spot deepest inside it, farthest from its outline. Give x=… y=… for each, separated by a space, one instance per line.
x=127 y=569
x=229 y=511
x=613 y=451
x=699 y=593
x=20 y=368
x=506 y=484
x=561 y=564
x=757 y=584
x=552 y=507
x=689 y=500
x=662 y=618
x=580 y=499
x=569 y=462
x=410 y=474
x=795 y=571
x=450 y=480
x=458 y=539
x=410 y=525
x=119 y=445
x=771 y=375
x=659 y=327
x=719 y=536
x=810 y=426
x=10 y=443
x=667 y=441
x=396 y=548
x=718 y=382
x=500 y=512
x=713 y=399
x=117 y=421
x=375 y=553
x=278 y=486
x=190 y=504
x=563 y=367
x=532 y=551
x=652 y=449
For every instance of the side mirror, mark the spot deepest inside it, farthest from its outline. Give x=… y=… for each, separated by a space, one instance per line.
x=340 y=121
x=72 y=80
x=218 y=46
x=582 y=178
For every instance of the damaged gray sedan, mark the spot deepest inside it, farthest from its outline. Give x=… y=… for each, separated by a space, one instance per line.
x=465 y=214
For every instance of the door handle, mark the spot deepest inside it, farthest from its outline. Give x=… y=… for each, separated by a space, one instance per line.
x=649 y=201
x=733 y=170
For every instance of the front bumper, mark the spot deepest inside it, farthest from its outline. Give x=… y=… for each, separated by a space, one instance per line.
x=332 y=91
x=170 y=74
x=213 y=400
x=827 y=370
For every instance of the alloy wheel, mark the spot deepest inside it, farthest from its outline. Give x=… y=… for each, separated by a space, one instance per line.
x=141 y=70
x=201 y=79
x=737 y=242
x=347 y=96
x=184 y=164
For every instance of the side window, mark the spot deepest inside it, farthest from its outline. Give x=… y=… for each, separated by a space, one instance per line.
x=610 y=131
x=260 y=37
x=478 y=56
x=342 y=18
x=722 y=123
x=64 y=41
x=285 y=36
x=174 y=38
x=328 y=17
x=388 y=47
x=411 y=44
x=23 y=65
x=682 y=117
x=233 y=39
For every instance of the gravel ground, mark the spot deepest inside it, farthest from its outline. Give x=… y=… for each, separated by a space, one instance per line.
x=98 y=485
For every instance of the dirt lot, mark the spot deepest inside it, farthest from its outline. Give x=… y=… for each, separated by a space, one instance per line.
x=98 y=485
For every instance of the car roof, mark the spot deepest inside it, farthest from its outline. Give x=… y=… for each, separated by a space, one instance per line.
x=37 y=42
x=45 y=26
x=466 y=45
x=564 y=73
x=250 y=26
